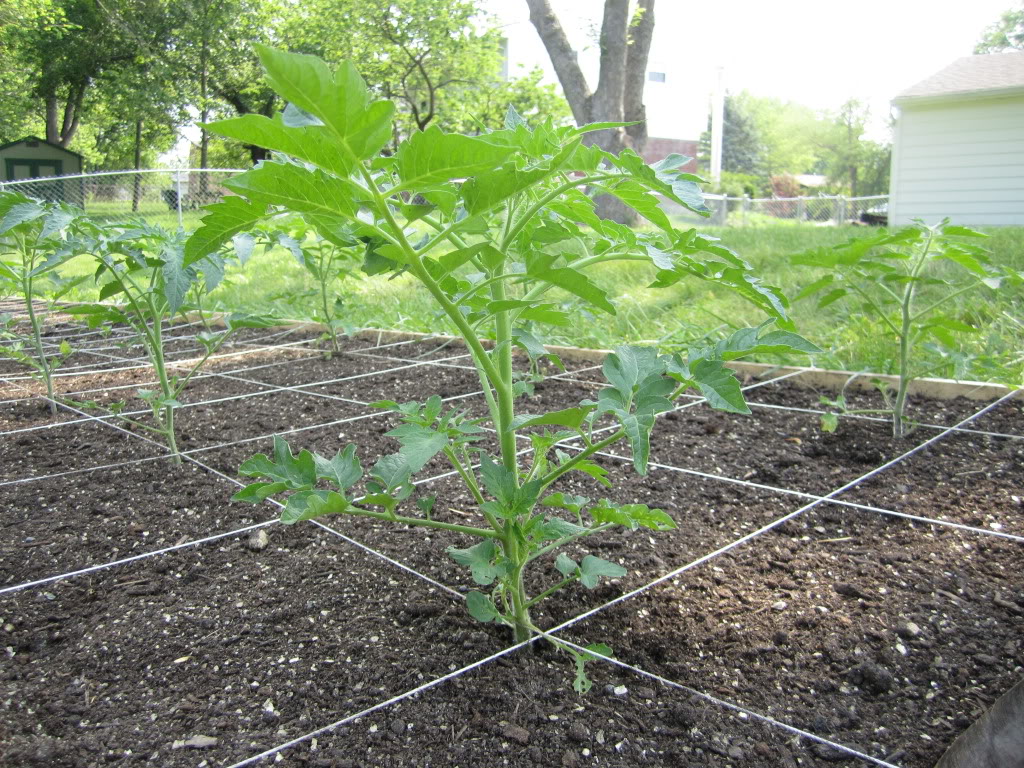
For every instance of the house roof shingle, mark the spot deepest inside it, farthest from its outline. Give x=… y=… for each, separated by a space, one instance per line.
x=992 y=74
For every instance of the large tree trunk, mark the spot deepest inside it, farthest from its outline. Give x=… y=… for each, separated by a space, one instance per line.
x=619 y=94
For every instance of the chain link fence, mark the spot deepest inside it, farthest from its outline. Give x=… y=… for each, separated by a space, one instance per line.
x=746 y=211
x=175 y=198
x=171 y=198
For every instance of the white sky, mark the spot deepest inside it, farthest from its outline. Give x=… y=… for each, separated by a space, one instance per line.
x=815 y=52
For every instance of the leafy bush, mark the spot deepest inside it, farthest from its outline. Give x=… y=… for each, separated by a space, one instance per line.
x=493 y=226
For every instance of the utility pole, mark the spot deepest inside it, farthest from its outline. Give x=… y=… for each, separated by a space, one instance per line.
x=717 y=125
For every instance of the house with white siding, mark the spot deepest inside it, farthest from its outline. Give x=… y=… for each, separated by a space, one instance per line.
x=958 y=148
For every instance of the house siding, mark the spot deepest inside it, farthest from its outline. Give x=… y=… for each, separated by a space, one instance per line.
x=959 y=159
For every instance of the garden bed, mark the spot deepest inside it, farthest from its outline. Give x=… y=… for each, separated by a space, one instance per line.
x=883 y=621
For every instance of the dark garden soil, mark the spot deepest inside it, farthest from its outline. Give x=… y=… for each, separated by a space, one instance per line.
x=881 y=633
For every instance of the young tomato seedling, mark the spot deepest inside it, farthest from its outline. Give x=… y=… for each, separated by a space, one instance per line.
x=493 y=226
x=895 y=279
x=142 y=267
x=329 y=257
x=33 y=244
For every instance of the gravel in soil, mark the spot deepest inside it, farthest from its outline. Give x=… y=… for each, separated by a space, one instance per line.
x=110 y=514
x=878 y=633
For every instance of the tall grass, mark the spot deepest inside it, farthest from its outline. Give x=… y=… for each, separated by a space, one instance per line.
x=690 y=310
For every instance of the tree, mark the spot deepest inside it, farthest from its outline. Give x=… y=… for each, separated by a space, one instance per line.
x=624 y=44
x=860 y=166
x=742 y=148
x=1007 y=34
x=438 y=60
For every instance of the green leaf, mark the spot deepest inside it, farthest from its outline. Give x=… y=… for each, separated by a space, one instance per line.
x=224 y=221
x=20 y=214
x=481 y=607
x=572 y=418
x=257 y=492
x=176 y=278
x=499 y=481
x=640 y=199
x=566 y=565
x=582 y=683
x=628 y=366
x=57 y=220
x=295 y=187
x=313 y=143
x=305 y=505
x=593 y=568
x=419 y=444
x=339 y=99
x=719 y=385
x=578 y=284
x=565 y=501
x=392 y=471
x=959 y=231
x=486 y=190
x=432 y=156
x=632 y=516
x=478 y=559
x=829 y=422
x=750 y=341
x=555 y=528
x=343 y=470
x=297 y=472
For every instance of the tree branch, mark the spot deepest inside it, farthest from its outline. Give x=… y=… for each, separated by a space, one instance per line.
x=636 y=74
x=563 y=59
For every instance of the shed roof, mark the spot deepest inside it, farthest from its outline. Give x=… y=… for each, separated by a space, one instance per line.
x=970 y=77
x=41 y=141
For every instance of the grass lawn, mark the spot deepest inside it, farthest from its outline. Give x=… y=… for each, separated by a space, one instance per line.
x=273 y=282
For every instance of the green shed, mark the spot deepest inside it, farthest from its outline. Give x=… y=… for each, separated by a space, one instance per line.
x=34 y=158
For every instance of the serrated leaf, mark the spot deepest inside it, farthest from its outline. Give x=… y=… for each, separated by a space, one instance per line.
x=392 y=471
x=297 y=472
x=592 y=569
x=572 y=418
x=829 y=422
x=632 y=516
x=224 y=221
x=299 y=189
x=478 y=559
x=719 y=385
x=343 y=470
x=486 y=190
x=432 y=156
x=555 y=528
x=628 y=366
x=419 y=444
x=20 y=213
x=257 y=492
x=481 y=607
x=176 y=277
x=578 y=284
x=339 y=99
x=309 y=142
x=306 y=505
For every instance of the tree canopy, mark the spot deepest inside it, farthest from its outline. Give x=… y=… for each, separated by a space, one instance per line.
x=1006 y=34
x=115 y=79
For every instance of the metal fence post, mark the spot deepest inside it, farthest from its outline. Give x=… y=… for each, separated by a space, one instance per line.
x=177 y=181
x=801 y=208
x=840 y=210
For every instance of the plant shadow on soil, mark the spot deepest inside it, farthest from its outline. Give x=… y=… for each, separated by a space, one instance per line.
x=879 y=633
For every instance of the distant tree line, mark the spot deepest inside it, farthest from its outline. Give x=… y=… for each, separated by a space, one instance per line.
x=115 y=80
x=766 y=142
